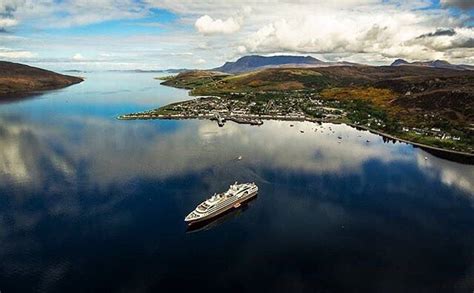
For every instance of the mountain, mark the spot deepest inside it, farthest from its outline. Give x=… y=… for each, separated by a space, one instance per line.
x=399 y=62
x=434 y=64
x=22 y=79
x=254 y=62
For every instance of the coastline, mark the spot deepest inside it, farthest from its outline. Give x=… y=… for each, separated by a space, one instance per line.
x=149 y=116
x=459 y=156
x=12 y=95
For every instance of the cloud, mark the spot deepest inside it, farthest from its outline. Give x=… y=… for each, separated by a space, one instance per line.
x=6 y=15
x=321 y=33
x=7 y=22
x=445 y=40
x=462 y=4
x=77 y=57
x=200 y=61
x=206 y=25
x=51 y=13
x=377 y=31
x=439 y=32
x=8 y=53
x=222 y=8
x=372 y=31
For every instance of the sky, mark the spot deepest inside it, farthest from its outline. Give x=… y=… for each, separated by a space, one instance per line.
x=160 y=34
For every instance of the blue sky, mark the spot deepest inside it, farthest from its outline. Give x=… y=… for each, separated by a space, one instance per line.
x=156 y=34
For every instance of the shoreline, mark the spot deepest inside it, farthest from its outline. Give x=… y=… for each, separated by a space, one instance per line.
x=244 y=119
x=13 y=95
x=469 y=156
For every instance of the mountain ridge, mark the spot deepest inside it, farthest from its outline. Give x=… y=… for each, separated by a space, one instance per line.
x=432 y=63
x=255 y=62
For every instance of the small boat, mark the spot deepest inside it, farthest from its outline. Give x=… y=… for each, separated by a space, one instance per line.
x=239 y=158
x=222 y=202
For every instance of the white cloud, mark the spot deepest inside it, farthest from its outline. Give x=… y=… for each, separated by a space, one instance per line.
x=8 y=53
x=77 y=57
x=463 y=38
x=7 y=22
x=51 y=13
x=374 y=31
x=241 y=49
x=206 y=25
x=200 y=61
x=222 y=8
x=383 y=29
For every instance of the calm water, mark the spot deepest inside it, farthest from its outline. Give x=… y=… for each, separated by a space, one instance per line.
x=92 y=204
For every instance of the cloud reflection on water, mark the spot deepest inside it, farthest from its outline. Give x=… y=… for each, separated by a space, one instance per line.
x=79 y=187
x=450 y=173
x=116 y=151
x=101 y=159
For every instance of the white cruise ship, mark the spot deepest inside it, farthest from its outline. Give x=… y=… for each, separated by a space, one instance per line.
x=219 y=203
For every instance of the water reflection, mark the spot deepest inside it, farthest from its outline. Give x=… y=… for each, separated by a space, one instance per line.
x=110 y=151
x=89 y=203
x=450 y=173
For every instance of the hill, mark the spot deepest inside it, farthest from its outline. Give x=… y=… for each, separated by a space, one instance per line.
x=22 y=79
x=194 y=79
x=422 y=88
x=432 y=103
x=434 y=64
x=254 y=62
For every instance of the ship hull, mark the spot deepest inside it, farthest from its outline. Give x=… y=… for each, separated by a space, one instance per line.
x=235 y=205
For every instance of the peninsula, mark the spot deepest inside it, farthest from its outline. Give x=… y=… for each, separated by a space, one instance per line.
x=19 y=79
x=420 y=104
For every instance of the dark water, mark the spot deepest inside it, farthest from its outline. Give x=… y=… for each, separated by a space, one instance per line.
x=92 y=204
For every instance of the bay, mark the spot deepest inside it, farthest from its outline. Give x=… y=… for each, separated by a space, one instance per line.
x=89 y=203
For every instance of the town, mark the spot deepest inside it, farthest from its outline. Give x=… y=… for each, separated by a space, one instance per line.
x=241 y=108
x=255 y=107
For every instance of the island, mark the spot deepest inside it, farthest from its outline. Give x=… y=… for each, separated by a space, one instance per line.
x=17 y=80
x=425 y=105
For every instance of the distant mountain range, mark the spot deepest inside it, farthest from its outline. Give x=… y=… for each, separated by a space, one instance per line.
x=170 y=70
x=254 y=62
x=433 y=63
